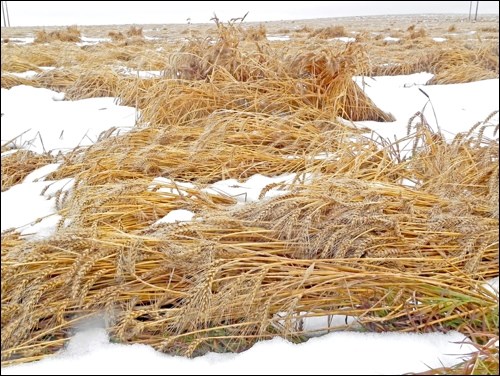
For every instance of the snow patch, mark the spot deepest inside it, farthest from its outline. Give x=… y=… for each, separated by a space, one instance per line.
x=250 y=190
x=174 y=216
x=40 y=173
x=90 y=352
x=343 y=39
x=41 y=219
x=277 y=37
x=52 y=125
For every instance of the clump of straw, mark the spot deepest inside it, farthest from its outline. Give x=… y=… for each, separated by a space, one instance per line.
x=70 y=34
x=329 y=32
x=16 y=166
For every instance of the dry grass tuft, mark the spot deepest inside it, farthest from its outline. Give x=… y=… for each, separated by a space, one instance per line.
x=489 y=29
x=134 y=31
x=70 y=34
x=328 y=82
x=255 y=33
x=328 y=32
x=116 y=36
x=415 y=34
x=466 y=65
x=90 y=84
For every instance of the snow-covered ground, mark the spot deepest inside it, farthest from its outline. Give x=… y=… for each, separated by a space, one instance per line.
x=278 y=37
x=23 y=40
x=391 y=39
x=343 y=39
x=30 y=73
x=141 y=74
x=87 y=41
x=37 y=120
x=52 y=124
x=457 y=107
x=340 y=353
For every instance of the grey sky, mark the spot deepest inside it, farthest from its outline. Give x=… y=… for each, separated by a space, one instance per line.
x=49 y=13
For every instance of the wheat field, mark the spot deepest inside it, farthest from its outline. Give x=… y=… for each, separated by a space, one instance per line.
x=346 y=237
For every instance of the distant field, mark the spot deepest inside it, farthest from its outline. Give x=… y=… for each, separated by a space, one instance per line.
x=435 y=25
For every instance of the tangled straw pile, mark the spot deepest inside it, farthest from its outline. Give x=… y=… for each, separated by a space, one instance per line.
x=344 y=238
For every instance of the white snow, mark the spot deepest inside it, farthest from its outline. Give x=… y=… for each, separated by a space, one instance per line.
x=322 y=323
x=250 y=190
x=242 y=192
x=391 y=39
x=58 y=96
x=141 y=74
x=341 y=353
x=86 y=41
x=439 y=40
x=94 y=40
x=39 y=219
x=408 y=183
x=9 y=152
x=26 y=74
x=317 y=325
x=178 y=215
x=40 y=173
x=166 y=185
x=24 y=40
x=456 y=106
x=52 y=125
x=343 y=39
x=29 y=73
x=492 y=285
x=278 y=37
